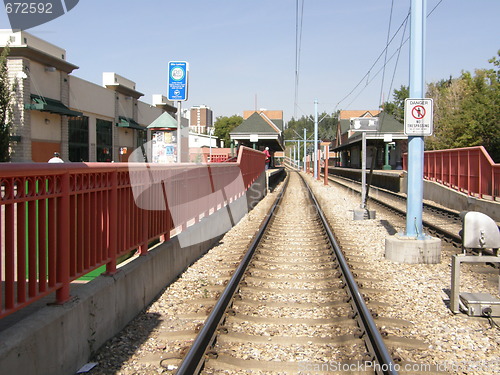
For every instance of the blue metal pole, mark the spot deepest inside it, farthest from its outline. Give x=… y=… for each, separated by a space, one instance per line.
x=305 y=148
x=297 y=158
x=416 y=144
x=315 y=156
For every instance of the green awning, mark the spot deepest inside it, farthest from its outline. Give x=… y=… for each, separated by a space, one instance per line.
x=41 y=103
x=126 y=122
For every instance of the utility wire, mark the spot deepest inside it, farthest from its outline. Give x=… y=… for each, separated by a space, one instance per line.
x=299 y=17
x=376 y=61
x=378 y=58
x=296 y=55
x=378 y=72
x=440 y=1
x=386 y=50
x=397 y=60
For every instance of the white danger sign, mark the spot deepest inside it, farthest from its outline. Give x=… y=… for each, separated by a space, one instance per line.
x=418 y=117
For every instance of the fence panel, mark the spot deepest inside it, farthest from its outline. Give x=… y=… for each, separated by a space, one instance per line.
x=469 y=170
x=59 y=222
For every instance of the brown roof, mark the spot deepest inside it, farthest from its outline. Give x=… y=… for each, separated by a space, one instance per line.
x=346 y=115
x=273 y=115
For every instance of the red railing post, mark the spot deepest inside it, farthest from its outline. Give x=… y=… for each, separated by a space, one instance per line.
x=9 y=253
x=143 y=247
x=468 y=172
x=480 y=182
x=113 y=224
x=63 y=222
x=318 y=164
x=327 y=157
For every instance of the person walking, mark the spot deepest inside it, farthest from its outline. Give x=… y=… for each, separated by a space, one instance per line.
x=56 y=158
x=268 y=157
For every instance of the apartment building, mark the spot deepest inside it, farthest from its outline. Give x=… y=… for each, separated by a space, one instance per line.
x=55 y=111
x=200 y=119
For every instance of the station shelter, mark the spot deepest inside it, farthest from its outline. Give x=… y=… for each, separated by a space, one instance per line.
x=260 y=129
x=387 y=145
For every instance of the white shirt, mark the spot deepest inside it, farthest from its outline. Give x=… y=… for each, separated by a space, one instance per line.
x=56 y=159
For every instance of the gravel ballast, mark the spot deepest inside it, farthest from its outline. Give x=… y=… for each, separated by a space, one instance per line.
x=454 y=344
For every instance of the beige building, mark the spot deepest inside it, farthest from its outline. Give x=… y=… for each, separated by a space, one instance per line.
x=55 y=111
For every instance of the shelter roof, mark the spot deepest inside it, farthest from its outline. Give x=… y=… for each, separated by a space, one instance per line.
x=257 y=123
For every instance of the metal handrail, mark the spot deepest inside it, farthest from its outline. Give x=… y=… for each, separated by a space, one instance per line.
x=469 y=170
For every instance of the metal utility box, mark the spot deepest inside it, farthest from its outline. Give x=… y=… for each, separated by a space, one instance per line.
x=479 y=232
x=480 y=304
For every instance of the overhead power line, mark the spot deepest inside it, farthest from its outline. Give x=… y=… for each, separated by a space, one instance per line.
x=376 y=61
x=386 y=50
x=299 y=17
x=367 y=75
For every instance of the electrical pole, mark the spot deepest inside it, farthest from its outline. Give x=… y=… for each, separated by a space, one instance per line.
x=305 y=148
x=315 y=154
x=416 y=143
x=414 y=246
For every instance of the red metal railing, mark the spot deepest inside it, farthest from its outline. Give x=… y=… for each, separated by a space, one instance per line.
x=469 y=170
x=218 y=158
x=252 y=163
x=60 y=221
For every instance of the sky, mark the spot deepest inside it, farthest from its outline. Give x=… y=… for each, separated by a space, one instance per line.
x=242 y=54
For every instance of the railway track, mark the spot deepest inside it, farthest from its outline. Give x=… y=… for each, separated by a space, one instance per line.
x=292 y=304
x=439 y=221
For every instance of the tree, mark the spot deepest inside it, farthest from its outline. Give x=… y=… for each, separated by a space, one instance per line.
x=327 y=127
x=5 y=107
x=397 y=107
x=467 y=111
x=224 y=125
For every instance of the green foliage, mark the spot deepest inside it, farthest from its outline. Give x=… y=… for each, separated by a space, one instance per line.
x=327 y=127
x=224 y=125
x=467 y=111
x=5 y=107
x=397 y=107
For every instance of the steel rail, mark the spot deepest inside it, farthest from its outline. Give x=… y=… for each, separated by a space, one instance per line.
x=375 y=342
x=455 y=238
x=195 y=357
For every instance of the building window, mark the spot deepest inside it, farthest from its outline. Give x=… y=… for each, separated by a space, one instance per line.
x=104 y=138
x=78 y=138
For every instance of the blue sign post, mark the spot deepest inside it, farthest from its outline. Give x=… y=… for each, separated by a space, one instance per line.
x=177 y=80
x=177 y=90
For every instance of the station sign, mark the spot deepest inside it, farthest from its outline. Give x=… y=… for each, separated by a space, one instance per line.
x=177 y=80
x=364 y=124
x=418 y=117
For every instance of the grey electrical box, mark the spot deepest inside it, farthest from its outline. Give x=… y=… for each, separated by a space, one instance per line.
x=481 y=304
x=479 y=231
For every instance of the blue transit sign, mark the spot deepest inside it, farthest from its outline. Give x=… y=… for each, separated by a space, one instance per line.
x=177 y=80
